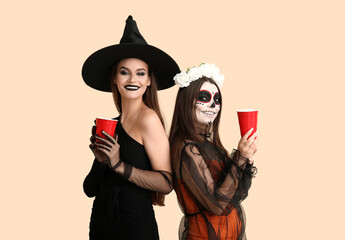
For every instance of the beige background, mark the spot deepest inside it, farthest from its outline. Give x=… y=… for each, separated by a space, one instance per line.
x=285 y=58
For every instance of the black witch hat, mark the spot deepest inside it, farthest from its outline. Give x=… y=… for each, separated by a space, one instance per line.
x=98 y=66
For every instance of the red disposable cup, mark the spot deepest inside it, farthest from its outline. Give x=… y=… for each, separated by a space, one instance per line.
x=248 y=119
x=104 y=124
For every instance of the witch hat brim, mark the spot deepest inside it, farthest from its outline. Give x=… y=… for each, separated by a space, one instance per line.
x=97 y=68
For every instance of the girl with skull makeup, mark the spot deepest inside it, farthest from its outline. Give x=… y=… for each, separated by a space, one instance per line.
x=209 y=182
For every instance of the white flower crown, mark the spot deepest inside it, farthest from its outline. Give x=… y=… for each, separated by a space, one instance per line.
x=184 y=78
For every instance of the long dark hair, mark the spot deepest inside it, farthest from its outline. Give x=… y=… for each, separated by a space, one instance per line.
x=183 y=126
x=150 y=99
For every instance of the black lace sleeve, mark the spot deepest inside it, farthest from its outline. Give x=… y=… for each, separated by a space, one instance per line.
x=93 y=179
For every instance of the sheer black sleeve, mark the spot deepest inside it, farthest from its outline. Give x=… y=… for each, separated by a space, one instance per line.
x=157 y=181
x=245 y=175
x=196 y=175
x=93 y=179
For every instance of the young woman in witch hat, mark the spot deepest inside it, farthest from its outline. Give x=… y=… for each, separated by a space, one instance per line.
x=131 y=170
x=209 y=182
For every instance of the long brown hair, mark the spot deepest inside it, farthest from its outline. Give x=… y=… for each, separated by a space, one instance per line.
x=150 y=99
x=183 y=126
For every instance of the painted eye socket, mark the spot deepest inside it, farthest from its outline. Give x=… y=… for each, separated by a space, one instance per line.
x=216 y=98
x=204 y=96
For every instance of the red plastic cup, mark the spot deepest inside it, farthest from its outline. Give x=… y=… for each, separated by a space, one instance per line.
x=247 y=119
x=108 y=125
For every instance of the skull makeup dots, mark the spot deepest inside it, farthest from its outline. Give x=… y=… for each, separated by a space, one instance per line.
x=207 y=104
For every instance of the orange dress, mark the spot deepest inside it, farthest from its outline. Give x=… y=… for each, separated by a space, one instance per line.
x=210 y=186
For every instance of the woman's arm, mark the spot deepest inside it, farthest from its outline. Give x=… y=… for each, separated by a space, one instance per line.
x=93 y=179
x=156 y=145
x=157 y=148
x=156 y=142
x=98 y=170
x=198 y=179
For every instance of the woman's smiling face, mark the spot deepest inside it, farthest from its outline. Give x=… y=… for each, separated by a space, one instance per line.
x=207 y=104
x=132 y=78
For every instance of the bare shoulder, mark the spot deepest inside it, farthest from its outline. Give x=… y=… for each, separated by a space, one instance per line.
x=149 y=120
x=155 y=140
x=152 y=129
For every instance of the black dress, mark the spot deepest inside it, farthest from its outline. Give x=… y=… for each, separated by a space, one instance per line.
x=121 y=209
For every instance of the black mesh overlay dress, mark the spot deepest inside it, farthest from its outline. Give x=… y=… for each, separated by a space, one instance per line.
x=121 y=209
x=210 y=186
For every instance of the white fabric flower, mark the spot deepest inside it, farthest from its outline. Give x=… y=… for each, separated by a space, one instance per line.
x=214 y=71
x=205 y=70
x=208 y=70
x=219 y=79
x=182 y=79
x=194 y=74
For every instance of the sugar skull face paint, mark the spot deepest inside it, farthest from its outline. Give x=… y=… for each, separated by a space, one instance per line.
x=207 y=104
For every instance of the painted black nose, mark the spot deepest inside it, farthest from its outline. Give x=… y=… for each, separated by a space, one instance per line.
x=213 y=105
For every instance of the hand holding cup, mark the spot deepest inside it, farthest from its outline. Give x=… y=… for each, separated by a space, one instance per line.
x=110 y=148
x=247 y=145
x=102 y=124
x=100 y=156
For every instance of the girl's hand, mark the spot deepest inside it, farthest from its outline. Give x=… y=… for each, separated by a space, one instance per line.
x=109 y=147
x=248 y=147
